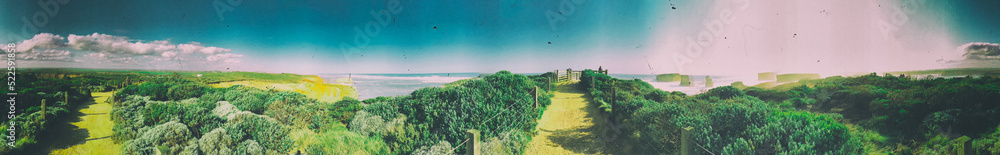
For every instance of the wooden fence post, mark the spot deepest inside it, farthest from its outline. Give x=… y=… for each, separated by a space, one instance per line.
x=43 y=109
x=66 y=98
x=474 y=148
x=686 y=141
x=556 y=75
x=535 y=95
x=569 y=74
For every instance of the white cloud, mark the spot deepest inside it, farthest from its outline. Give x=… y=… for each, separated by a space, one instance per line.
x=228 y=58
x=169 y=54
x=197 y=47
x=980 y=51
x=46 y=55
x=44 y=40
x=120 y=49
x=117 y=45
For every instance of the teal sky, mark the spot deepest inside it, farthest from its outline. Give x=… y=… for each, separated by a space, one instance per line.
x=304 y=36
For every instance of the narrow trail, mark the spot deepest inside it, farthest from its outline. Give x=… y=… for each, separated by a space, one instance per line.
x=570 y=125
x=92 y=131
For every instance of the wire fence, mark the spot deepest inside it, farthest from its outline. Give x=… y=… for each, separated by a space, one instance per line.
x=481 y=124
x=494 y=117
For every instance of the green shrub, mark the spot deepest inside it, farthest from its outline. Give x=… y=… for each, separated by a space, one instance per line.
x=184 y=91
x=383 y=110
x=341 y=141
x=940 y=122
x=724 y=92
x=987 y=144
x=731 y=119
x=658 y=126
x=249 y=147
x=441 y=148
x=268 y=133
x=139 y=147
x=741 y=146
x=217 y=142
x=173 y=137
x=493 y=104
x=296 y=110
x=511 y=142
x=128 y=119
x=251 y=104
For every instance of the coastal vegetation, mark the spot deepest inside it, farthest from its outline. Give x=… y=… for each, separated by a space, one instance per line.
x=203 y=119
x=868 y=114
x=173 y=113
x=27 y=118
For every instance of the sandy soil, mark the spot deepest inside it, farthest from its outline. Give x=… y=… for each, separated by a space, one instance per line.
x=571 y=125
x=313 y=88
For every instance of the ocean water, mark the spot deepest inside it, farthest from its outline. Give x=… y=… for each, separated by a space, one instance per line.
x=697 y=82
x=375 y=85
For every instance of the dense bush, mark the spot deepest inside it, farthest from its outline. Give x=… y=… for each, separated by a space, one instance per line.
x=128 y=119
x=217 y=141
x=249 y=147
x=768 y=95
x=623 y=97
x=911 y=113
x=173 y=136
x=221 y=121
x=248 y=99
x=987 y=143
x=199 y=119
x=341 y=141
x=728 y=120
x=270 y=134
x=659 y=126
x=724 y=92
x=344 y=110
x=441 y=148
x=510 y=143
x=925 y=107
x=743 y=125
x=498 y=105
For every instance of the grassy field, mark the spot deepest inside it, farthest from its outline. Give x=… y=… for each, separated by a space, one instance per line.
x=310 y=85
x=313 y=89
x=953 y=72
x=208 y=77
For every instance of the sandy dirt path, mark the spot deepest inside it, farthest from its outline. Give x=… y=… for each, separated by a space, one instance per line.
x=571 y=125
x=95 y=123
